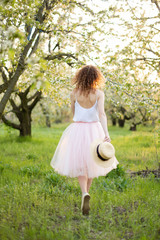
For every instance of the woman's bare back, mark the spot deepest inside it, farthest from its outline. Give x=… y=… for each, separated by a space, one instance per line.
x=85 y=101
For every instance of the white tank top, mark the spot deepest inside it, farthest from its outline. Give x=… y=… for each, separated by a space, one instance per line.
x=82 y=114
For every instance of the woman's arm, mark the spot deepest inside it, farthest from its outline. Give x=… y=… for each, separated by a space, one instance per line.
x=72 y=97
x=102 y=115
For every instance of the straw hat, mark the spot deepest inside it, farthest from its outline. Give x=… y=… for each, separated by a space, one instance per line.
x=103 y=153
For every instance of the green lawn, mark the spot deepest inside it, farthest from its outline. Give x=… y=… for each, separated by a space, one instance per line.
x=38 y=204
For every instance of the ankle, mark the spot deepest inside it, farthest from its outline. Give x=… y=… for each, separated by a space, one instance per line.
x=84 y=193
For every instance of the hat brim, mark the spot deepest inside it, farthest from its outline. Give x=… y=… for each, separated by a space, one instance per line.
x=97 y=160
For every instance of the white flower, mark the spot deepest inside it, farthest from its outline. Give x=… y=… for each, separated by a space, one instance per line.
x=6 y=44
x=11 y=30
x=38 y=85
x=32 y=60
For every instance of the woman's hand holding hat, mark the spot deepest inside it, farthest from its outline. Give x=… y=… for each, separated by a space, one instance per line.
x=103 y=153
x=107 y=139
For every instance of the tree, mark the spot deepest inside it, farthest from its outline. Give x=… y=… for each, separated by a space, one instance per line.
x=134 y=61
x=46 y=114
x=27 y=30
x=23 y=111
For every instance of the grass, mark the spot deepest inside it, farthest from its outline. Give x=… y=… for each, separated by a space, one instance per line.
x=37 y=203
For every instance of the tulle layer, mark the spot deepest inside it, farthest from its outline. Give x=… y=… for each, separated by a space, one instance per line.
x=72 y=156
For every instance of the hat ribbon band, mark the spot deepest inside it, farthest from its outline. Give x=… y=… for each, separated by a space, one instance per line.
x=103 y=159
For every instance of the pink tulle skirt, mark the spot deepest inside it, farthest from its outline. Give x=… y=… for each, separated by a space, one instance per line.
x=72 y=156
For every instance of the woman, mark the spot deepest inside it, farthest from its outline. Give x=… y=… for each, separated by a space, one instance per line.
x=72 y=157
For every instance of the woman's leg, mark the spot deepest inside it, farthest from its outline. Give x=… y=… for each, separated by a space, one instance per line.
x=83 y=183
x=89 y=182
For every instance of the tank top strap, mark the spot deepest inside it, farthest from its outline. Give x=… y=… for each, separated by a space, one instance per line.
x=96 y=98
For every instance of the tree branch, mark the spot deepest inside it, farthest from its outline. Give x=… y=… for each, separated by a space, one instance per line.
x=27 y=90
x=17 y=74
x=130 y=95
x=142 y=58
x=51 y=5
x=9 y=123
x=155 y=28
x=145 y=18
x=140 y=18
x=66 y=31
x=82 y=6
x=16 y=109
x=40 y=17
x=36 y=100
x=4 y=76
x=33 y=96
x=21 y=64
x=3 y=87
x=60 y=56
x=56 y=46
x=156 y=3
x=145 y=118
x=34 y=47
x=150 y=50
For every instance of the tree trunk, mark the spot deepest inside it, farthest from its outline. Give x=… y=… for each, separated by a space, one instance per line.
x=48 y=122
x=25 y=123
x=23 y=112
x=114 y=121
x=46 y=114
x=133 y=127
x=121 y=122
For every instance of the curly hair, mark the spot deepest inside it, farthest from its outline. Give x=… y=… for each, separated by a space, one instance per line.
x=88 y=78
